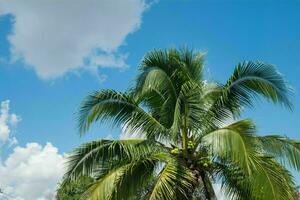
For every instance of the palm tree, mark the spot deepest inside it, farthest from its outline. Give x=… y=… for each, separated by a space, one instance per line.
x=185 y=141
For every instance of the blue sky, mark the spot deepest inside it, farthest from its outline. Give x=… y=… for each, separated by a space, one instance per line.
x=229 y=31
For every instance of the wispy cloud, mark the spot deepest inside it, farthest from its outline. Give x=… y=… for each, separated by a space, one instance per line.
x=8 y=121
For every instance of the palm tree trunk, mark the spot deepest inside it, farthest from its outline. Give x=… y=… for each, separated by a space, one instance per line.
x=209 y=190
x=203 y=179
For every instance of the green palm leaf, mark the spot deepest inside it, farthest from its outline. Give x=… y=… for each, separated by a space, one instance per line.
x=122 y=182
x=234 y=181
x=122 y=109
x=188 y=102
x=234 y=142
x=249 y=81
x=174 y=182
x=272 y=181
x=285 y=150
x=85 y=159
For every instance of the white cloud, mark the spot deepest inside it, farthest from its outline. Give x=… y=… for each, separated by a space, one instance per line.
x=29 y=172
x=32 y=172
x=57 y=36
x=109 y=60
x=7 y=121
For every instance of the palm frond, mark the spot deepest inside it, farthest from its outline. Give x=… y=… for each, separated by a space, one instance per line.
x=179 y=66
x=234 y=142
x=188 y=109
x=285 y=150
x=155 y=90
x=193 y=62
x=270 y=180
x=96 y=155
x=124 y=181
x=175 y=181
x=249 y=81
x=121 y=109
x=155 y=78
x=234 y=181
x=166 y=60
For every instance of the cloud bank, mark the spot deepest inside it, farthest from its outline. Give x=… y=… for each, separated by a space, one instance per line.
x=31 y=172
x=57 y=36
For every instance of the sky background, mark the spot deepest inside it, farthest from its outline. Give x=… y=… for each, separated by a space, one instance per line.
x=52 y=55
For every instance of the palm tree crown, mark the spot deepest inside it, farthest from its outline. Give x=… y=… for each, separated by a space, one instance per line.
x=186 y=141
